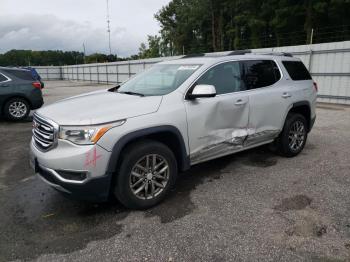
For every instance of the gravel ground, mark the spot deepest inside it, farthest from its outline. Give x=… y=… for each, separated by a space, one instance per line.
x=245 y=207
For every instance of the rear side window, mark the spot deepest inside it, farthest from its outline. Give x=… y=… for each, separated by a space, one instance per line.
x=260 y=73
x=21 y=74
x=2 y=78
x=297 y=70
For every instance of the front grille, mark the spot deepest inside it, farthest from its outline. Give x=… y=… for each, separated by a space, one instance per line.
x=44 y=133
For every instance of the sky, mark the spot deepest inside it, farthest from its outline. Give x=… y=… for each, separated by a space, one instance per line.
x=68 y=24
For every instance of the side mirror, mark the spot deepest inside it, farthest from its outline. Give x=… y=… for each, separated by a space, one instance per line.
x=201 y=91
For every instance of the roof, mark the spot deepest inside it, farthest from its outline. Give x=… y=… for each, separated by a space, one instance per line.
x=228 y=56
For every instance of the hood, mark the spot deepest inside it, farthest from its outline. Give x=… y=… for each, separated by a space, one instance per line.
x=99 y=107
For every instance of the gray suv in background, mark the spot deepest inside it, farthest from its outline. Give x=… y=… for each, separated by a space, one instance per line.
x=20 y=92
x=132 y=140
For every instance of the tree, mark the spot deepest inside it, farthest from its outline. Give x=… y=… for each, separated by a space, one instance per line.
x=194 y=26
x=154 y=48
x=52 y=57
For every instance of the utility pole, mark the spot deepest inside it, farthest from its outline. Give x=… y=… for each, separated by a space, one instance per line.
x=109 y=29
x=84 y=53
x=310 y=54
x=311 y=36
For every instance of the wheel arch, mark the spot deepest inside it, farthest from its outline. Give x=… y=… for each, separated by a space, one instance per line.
x=303 y=108
x=169 y=135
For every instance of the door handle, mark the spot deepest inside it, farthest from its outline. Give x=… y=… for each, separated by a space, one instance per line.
x=240 y=102
x=4 y=85
x=286 y=95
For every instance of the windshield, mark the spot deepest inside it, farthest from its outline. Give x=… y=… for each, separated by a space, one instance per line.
x=159 y=80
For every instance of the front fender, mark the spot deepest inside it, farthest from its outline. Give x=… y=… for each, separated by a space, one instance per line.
x=124 y=140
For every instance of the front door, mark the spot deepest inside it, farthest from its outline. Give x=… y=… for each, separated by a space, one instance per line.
x=218 y=126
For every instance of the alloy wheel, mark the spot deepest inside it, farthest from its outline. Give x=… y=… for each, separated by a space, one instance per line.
x=17 y=109
x=296 y=136
x=149 y=176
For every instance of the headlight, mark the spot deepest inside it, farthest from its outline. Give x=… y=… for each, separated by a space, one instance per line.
x=86 y=135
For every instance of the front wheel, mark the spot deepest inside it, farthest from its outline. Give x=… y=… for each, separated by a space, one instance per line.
x=293 y=137
x=146 y=174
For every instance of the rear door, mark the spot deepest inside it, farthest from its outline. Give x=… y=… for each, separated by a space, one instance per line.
x=217 y=126
x=5 y=88
x=269 y=99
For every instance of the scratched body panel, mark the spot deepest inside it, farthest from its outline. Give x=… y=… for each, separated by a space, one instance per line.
x=68 y=156
x=260 y=137
x=216 y=126
x=267 y=109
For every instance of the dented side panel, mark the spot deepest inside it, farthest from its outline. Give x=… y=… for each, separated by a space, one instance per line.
x=216 y=126
x=267 y=111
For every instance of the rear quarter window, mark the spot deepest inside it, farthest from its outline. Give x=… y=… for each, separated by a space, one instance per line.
x=297 y=70
x=2 y=78
x=21 y=74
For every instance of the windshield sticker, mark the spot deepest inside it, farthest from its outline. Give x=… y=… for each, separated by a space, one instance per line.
x=189 y=67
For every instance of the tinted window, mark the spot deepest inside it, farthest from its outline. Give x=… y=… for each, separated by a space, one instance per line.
x=2 y=78
x=260 y=73
x=225 y=77
x=21 y=74
x=297 y=70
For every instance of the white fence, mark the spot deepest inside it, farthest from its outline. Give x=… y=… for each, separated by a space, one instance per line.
x=329 y=64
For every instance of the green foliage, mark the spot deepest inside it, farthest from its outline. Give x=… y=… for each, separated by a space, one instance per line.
x=194 y=26
x=55 y=58
x=154 y=48
x=100 y=58
x=28 y=57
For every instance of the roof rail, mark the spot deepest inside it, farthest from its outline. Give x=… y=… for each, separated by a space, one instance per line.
x=240 y=52
x=237 y=52
x=193 y=55
x=287 y=54
x=275 y=53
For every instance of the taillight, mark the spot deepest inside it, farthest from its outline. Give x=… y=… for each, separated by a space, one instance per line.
x=37 y=85
x=315 y=86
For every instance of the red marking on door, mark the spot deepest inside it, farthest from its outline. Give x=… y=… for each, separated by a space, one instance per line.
x=91 y=158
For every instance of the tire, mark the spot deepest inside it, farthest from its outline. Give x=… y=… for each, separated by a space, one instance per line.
x=16 y=109
x=293 y=137
x=132 y=175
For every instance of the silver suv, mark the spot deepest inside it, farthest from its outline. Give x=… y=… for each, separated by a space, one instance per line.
x=132 y=140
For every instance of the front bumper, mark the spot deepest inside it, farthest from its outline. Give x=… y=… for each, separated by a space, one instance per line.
x=68 y=158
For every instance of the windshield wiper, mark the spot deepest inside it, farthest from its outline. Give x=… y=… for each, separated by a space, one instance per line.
x=131 y=93
x=114 y=89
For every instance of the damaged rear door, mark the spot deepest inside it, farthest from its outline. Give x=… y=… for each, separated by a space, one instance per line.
x=267 y=102
x=217 y=126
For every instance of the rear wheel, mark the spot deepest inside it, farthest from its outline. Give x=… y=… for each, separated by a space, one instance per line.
x=16 y=109
x=147 y=172
x=293 y=137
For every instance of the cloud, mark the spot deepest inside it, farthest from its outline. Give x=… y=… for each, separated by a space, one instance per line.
x=48 y=32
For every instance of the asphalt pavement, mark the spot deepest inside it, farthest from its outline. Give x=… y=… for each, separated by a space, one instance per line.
x=251 y=206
